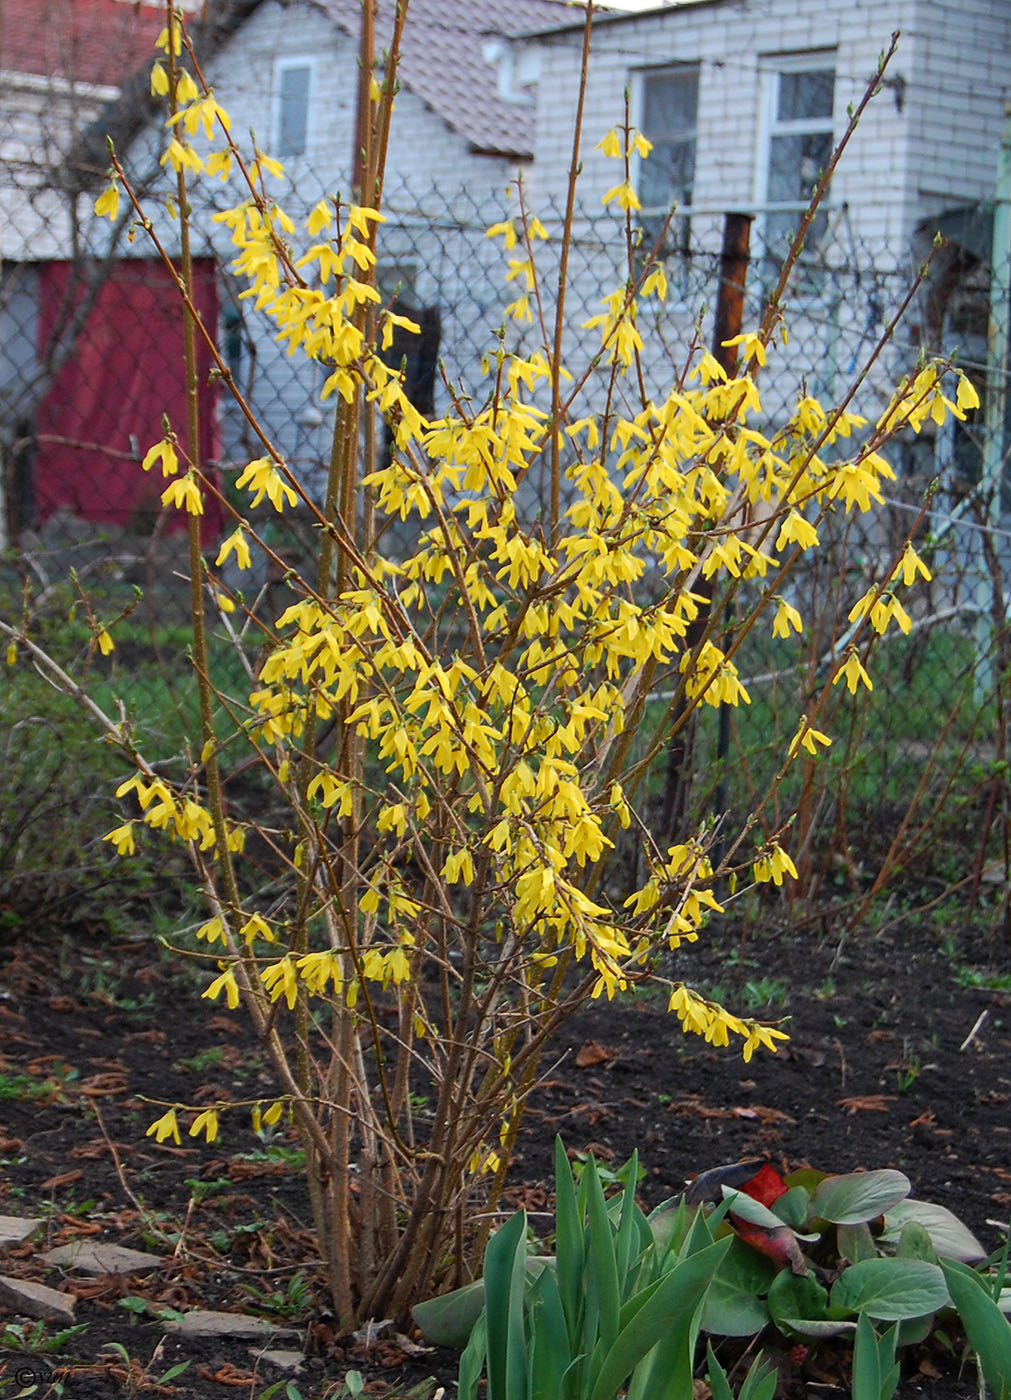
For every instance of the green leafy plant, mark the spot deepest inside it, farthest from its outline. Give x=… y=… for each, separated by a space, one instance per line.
x=615 y=1309
x=293 y=1300
x=808 y=1257
x=35 y=1339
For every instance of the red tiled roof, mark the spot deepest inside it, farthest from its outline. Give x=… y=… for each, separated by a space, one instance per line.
x=86 y=41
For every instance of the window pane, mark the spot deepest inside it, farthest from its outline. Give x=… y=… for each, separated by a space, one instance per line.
x=293 y=113
x=805 y=95
x=794 y=164
x=670 y=103
x=667 y=175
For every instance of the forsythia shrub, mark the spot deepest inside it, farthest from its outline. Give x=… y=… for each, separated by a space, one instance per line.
x=449 y=734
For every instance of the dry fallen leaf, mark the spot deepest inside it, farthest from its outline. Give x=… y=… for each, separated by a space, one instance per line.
x=867 y=1103
x=593 y=1053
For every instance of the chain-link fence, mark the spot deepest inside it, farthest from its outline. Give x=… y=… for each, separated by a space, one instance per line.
x=90 y=366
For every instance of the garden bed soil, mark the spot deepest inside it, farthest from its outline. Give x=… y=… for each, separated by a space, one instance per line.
x=897 y=1058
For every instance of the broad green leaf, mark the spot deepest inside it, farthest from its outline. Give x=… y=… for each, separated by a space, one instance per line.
x=448 y=1321
x=857 y=1196
x=735 y=1304
x=793 y=1208
x=890 y=1289
x=987 y=1328
x=505 y=1285
x=800 y=1305
x=747 y=1208
x=742 y=1205
x=669 y=1312
x=950 y=1238
x=915 y=1243
x=855 y=1242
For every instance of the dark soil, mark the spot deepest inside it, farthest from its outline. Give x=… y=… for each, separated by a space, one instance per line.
x=895 y=1059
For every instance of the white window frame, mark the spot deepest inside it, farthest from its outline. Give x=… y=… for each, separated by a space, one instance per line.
x=771 y=68
x=640 y=78
x=287 y=65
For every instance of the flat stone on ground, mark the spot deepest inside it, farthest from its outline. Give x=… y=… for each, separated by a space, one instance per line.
x=206 y=1323
x=14 y=1230
x=35 y=1300
x=91 y=1257
x=284 y=1360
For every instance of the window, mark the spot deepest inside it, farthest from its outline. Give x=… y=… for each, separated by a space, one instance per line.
x=292 y=87
x=668 y=114
x=798 y=99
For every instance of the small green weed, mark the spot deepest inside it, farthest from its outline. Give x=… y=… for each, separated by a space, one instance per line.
x=203 y=1060
x=294 y=1301
x=33 y=1340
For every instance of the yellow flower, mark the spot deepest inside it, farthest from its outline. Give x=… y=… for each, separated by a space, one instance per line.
x=165 y=453
x=854 y=674
x=774 y=866
x=104 y=642
x=235 y=544
x=796 y=530
x=220 y=163
x=165 y=1127
x=206 y=1122
x=185 y=494
x=122 y=838
x=107 y=203
x=280 y=980
x=320 y=217
x=159 y=81
x=186 y=88
x=225 y=983
x=610 y=145
x=966 y=398
x=911 y=564
x=753 y=348
x=162 y=41
x=786 y=617
x=181 y=157
x=807 y=738
x=625 y=196
x=507 y=230
x=263 y=477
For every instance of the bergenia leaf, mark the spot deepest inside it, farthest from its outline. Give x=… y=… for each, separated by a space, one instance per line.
x=891 y=1289
x=950 y=1238
x=859 y=1196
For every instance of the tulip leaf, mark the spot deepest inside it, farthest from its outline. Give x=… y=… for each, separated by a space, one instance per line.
x=669 y=1313
x=891 y=1289
x=505 y=1285
x=986 y=1327
x=447 y=1321
x=859 y=1196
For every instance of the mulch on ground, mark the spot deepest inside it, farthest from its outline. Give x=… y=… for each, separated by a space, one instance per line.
x=897 y=1058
